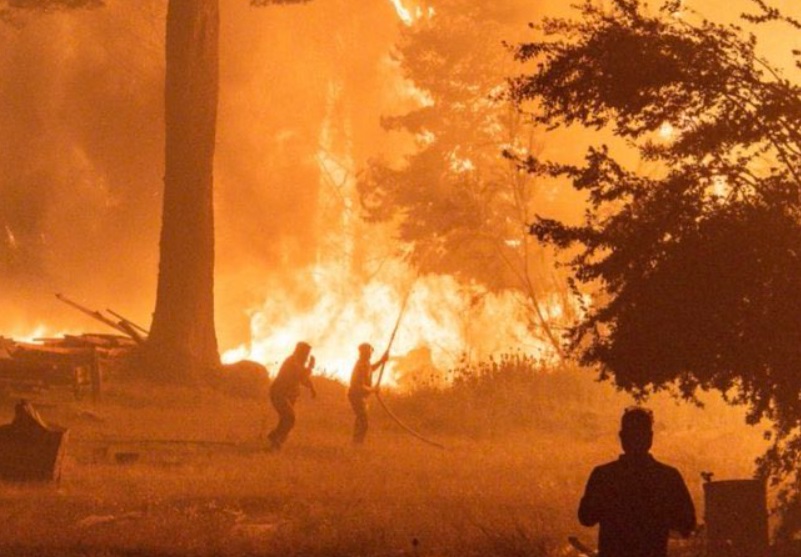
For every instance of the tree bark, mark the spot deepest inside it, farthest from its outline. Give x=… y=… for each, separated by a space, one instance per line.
x=183 y=342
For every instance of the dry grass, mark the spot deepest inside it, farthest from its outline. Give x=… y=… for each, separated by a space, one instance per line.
x=508 y=484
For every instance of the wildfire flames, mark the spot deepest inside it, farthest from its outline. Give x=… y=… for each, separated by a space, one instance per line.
x=410 y=16
x=39 y=332
x=335 y=308
x=443 y=323
x=334 y=304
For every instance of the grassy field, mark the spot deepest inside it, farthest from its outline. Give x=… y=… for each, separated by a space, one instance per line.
x=518 y=453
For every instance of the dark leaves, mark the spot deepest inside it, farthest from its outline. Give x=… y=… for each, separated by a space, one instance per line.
x=693 y=260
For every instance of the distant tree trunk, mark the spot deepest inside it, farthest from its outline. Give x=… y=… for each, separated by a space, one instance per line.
x=183 y=342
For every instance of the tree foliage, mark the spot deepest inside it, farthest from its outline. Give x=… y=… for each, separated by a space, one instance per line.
x=695 y=264
x=451 y=195
x=461 y=206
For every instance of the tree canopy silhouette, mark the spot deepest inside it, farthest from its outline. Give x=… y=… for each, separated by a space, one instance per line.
x=693 y=255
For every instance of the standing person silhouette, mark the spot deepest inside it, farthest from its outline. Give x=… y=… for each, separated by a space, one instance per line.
x=636 y=500
x=361 y=386
x=285 y=390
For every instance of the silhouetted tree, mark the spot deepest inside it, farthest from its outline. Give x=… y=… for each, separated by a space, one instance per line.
x=183 y=342
x=695 y=264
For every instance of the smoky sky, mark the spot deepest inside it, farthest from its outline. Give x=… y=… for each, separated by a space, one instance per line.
x=80 y=139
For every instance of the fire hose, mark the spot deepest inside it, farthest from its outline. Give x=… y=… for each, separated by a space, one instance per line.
x=378 y=397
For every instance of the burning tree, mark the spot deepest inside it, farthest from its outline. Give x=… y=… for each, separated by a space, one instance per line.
x=695 y=264
x=457 y=202
x=183 y=342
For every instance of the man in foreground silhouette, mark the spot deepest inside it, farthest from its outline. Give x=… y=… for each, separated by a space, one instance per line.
x=636 y=500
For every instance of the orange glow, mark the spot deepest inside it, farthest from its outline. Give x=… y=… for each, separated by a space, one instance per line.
x=719 y=187
x=459 y=164
x=678 y=13
x=409 y=16
x=38 y=332
x=11 y=239
x=403 y=13
x=667 y=131
x=336 y=313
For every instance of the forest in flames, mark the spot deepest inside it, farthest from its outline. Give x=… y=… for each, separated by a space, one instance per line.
x=308 y=98
x=303 y=95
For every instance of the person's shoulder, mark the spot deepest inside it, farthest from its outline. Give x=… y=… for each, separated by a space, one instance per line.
x=289 y=365
x=662 y=466
x=607 y=468
x=605 y=474
x=666 y=469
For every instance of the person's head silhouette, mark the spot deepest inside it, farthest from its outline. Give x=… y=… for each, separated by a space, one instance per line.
x=636 y=430
x=365 y=350
x=302 y=351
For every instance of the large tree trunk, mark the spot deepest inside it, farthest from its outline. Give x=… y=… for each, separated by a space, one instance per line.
x=183 y=343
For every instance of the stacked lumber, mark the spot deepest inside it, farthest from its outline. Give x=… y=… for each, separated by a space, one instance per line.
x=76 y=361
x=71 y=361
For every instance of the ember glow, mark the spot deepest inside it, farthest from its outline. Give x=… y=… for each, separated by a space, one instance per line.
x=42 y=331
x=11 y=240
x=38 y=333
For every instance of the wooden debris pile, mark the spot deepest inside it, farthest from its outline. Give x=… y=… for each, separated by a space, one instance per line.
x=78 y=362
x=75 y=362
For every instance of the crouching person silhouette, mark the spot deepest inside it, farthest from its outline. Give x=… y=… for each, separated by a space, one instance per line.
x=635 y=499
